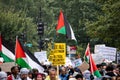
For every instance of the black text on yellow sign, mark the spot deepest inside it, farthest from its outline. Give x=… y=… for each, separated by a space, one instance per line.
x=61 y=46
x=59 y=51
x=58 y=55
x=58 y=59
x=50 y=58
x=58 y=63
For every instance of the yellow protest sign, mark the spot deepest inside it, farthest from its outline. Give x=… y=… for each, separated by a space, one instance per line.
x=61 y=46
x=59 y=54
x=58 y=59
x=50 y=58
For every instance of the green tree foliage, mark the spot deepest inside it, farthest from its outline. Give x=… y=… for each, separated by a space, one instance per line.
x=15 y=22
x=106 y=28
x=78 y=12
x=93 y=21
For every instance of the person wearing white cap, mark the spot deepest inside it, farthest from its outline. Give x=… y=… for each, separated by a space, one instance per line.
x=3 y=75
x=24 y=74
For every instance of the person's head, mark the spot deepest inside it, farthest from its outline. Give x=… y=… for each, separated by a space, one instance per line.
x=103 y=65
x=39 y=76
x=30 y=74
x=117 y=70
x=99 y=66
x=3 y=75
x=15 y=70
x=87 y=74
x=63 y=70
x=52 y=73
x=79 y=77
x=24 y=73
x=109 y=68
x=35 y=72
x=44 y=75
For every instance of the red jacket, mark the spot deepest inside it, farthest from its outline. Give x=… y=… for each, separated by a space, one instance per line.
x=9 y=77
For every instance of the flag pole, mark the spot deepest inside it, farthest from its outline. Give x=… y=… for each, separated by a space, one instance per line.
x=15 y=49
x=57 y=72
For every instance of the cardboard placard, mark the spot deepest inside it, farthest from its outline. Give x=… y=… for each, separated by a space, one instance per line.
x=7 y=66
x=84 y=66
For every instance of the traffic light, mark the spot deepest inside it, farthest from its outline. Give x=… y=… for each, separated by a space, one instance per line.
x=41 y=44
x=40 y=28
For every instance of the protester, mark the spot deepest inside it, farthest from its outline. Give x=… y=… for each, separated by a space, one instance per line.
x=103 y=69
x=71 y=70
x=44 y=75
x=116 y=70
x=86 y=75
x=63 y=73
x=109 y=70
x=52 y=74
x=3 y=75
x=24 y=74
x=39 y=76
x=14 y=73
x=35 y=72
x=30 y=74
x=79 y=77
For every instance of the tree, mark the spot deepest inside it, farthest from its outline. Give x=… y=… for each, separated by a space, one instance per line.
x=106 y=27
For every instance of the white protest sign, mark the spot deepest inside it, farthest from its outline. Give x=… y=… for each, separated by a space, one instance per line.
x=97 y=59
x=41 y=56
x=68 y=62
x=77 y=62
x=97 y=47
x=109 y=53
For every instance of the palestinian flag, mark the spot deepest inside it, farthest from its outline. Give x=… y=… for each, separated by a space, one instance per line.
x=93 y=68
x=72 y=34
x=87 y=53
x=88 y=58
x=25 y=59
x=63 y=27
x=6 y=54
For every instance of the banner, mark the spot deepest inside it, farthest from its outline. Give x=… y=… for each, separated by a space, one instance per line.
x=109 y=53
x=41 y=56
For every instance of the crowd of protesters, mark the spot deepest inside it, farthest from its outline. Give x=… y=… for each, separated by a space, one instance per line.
x=108 y=71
